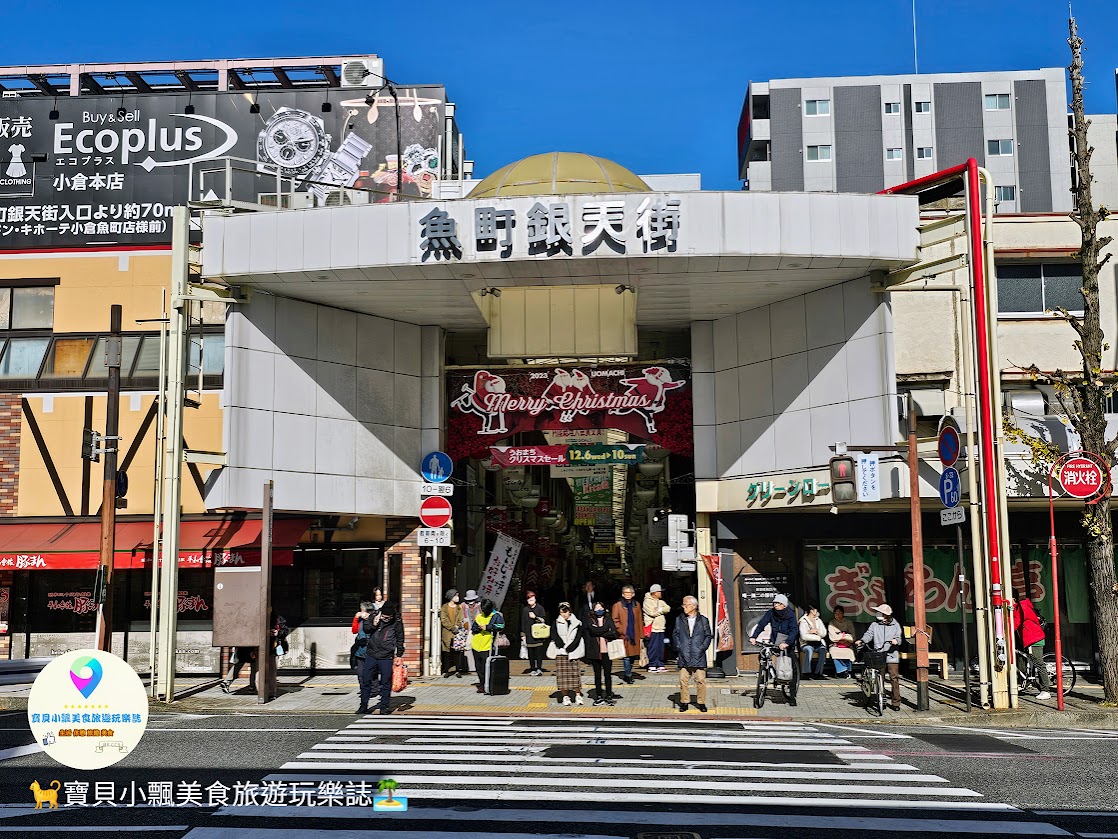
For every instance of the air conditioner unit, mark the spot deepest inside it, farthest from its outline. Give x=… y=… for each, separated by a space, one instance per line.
x=363 y=72
x=11 y=94
x=286 y=200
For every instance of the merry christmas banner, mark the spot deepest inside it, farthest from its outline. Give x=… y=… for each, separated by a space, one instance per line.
x=650 y=401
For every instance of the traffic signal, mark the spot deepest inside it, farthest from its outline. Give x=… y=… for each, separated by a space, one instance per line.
x=91 y=445
x=844 y=486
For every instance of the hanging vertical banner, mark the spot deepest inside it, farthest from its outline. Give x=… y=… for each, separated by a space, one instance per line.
x=723 y=634
x=498 y=572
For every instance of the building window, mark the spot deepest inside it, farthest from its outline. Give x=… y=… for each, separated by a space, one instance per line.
x=1034 y=288
x=923 y=107
x=894 y=154
x=997 y=102
x=819 y=153
x=1005 y=193
x=27 y=307
x=999 y=148
x=892 y=107
x=924 y=153
x=818 y=107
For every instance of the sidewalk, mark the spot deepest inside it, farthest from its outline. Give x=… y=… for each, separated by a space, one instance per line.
x=652 y=695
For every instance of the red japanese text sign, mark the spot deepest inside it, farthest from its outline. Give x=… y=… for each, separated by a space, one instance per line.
x=1082 y=477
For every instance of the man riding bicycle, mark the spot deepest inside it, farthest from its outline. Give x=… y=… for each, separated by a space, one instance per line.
x=784 y=629
x=884 y=635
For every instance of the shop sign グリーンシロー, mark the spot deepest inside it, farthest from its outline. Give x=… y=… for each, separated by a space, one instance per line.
x=556 y=228
x=110 y=168
x=650 y=401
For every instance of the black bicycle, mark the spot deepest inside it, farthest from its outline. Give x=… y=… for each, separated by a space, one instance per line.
x=766 y=674
x=871 y=680
x=1028 y=678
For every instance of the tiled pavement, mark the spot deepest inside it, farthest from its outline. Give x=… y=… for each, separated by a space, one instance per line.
x=652 y=694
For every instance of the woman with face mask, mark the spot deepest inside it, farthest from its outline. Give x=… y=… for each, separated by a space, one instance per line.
x=534 y=633
x=450 y=621
x=567 y=647
x=885 y=635
x=600 y=630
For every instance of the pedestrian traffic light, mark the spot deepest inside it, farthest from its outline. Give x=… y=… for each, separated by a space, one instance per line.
x=91 y=445
x=844 y=486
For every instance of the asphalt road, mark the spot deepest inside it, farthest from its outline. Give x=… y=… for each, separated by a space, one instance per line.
x=578 y=776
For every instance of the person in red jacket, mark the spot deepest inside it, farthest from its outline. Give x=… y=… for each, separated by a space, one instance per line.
x=1027 y=622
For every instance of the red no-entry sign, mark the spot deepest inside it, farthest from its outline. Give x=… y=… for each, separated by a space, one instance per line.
x=1081 y=477
x=434 y=511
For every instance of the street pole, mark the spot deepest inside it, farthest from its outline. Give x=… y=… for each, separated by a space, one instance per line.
x=920 y=631
x=1055 y=587
x=172 y=466
x=157 y=502
x=113 y=350
x=963 y=611
x=265 y=660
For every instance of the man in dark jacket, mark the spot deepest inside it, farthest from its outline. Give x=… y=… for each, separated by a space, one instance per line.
x=385 y=645
x=691 y=637
x=784 y=630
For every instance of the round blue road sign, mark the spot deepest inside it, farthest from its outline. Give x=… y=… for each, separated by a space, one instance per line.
x=949 y=446
x=950 y=487
x=436 y=467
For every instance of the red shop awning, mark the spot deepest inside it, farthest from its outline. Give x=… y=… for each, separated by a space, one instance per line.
x=228 y=540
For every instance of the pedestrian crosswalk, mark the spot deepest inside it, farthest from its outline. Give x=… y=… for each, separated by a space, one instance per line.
x=586 y=778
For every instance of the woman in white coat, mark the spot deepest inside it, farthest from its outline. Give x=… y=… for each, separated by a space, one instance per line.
x=813 y=642
x=567 y=647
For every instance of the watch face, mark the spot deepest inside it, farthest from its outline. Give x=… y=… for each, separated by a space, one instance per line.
x=292 y=142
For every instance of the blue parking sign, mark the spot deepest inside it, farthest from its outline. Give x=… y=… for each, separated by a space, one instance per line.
x=436 y=467
x=950 y=487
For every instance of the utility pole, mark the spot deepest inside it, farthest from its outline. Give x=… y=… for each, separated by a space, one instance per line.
x=919 y=613
x=104 y=593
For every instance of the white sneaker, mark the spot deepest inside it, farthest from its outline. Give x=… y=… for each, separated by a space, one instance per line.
x=1044 y=695
x=578 y=699
x=566 y=700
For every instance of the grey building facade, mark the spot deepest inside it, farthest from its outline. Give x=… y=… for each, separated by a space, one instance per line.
x=866 y=133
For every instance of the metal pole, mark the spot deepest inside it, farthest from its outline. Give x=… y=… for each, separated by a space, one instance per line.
x=157 y=502
x=399 y=153
x=963 y=610
x=1055 y=591
x=426 y=665
x=113 y=349
x=919 y=607
x=265 y=660
x=172 y=470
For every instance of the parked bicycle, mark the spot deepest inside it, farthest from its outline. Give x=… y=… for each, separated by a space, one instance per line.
x=1027 y=675
x=766 y=674
x=871 y=681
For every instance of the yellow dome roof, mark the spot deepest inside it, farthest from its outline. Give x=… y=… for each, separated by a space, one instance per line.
x=559 y=173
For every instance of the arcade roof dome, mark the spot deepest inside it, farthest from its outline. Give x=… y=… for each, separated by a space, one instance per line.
x=559 y=173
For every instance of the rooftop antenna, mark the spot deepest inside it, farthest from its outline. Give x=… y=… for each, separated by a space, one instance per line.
x=915 y=55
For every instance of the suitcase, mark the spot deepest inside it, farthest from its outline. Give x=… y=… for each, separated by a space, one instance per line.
x=497 y=675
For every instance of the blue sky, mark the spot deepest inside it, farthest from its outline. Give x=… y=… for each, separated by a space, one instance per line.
x=654 y=85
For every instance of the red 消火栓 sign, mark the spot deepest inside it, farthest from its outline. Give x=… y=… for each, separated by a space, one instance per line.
x=650 y=401
x=1082 y=477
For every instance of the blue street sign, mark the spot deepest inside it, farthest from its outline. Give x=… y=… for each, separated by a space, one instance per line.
x=436 y=467
x=950 y=487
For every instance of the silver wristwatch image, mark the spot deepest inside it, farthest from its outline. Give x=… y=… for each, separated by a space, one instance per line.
x=295 y=142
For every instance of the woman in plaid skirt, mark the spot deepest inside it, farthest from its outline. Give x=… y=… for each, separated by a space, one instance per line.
x=567 y=648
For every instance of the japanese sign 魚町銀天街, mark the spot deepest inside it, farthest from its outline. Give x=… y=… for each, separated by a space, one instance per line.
x=108 y=169
x=576 y=227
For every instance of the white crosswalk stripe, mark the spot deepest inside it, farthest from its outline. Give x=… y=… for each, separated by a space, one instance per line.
x=690 y=766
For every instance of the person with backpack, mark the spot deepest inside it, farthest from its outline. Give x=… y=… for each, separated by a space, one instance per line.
x=486 y=629
x=784 y=632
x=1031 y=626
x=384 y=647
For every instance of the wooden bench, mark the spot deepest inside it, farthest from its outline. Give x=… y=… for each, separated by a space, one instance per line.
x=933 y=657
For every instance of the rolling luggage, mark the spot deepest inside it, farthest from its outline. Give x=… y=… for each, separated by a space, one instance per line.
x=496 y=675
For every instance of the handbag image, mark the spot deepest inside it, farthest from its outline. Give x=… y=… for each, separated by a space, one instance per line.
x=523 y=650
x=399 y=676
x=615 y=648
x=647 y=631
x=461 y=640
x=541 y=631
x=784 y=668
